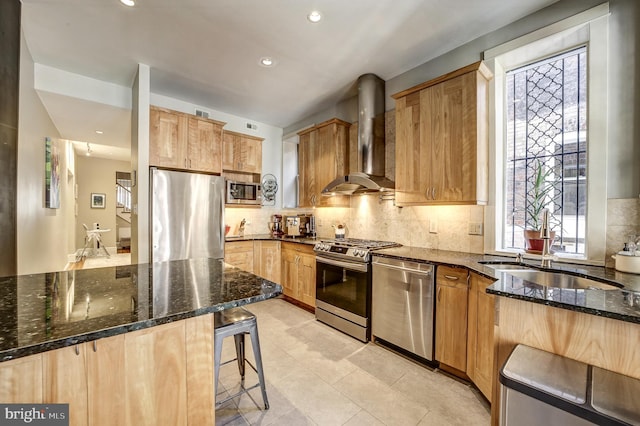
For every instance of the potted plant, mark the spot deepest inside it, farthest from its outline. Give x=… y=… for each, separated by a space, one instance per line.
x=536 y=201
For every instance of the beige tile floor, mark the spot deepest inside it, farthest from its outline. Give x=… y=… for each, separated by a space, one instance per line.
x=318 y=376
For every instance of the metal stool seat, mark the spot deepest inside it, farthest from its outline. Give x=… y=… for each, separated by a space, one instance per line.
x=237 y=322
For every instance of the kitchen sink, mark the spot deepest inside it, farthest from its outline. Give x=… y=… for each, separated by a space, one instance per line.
x=500 y=266
x=560 y=280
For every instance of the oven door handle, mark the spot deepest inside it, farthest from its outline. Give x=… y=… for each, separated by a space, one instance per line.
x=359 y=267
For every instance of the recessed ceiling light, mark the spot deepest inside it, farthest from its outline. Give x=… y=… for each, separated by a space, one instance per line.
x=129 y=3
x=99 y=132
x=267 y=62
x=314 y=16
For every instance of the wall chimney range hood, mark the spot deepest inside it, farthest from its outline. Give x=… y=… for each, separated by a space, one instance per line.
x=370 y=176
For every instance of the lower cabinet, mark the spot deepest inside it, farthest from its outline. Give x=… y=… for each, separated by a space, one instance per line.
x=21 y=380
x=299 y=273
x=239 y=254
x=451 y=316
x=158 y=375
x=267 y=260
x=480 y=348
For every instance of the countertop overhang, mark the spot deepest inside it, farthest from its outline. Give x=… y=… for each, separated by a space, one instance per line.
x=42 y=312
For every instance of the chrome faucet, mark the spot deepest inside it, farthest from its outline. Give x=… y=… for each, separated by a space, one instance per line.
x=545 y=235
x=241 y=228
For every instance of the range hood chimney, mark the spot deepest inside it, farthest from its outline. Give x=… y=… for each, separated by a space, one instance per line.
x=371 y=147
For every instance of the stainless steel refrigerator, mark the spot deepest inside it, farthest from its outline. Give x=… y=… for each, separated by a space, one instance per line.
x=187 y=215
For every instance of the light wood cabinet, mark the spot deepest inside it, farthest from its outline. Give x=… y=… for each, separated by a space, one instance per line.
x=442 y=139
x=323 y=156
x=239 y=254
x=451 y=316
x=241 y=153
x=267 y=260
x=299 y=273
x=158 y=375
x=480 y=348
x=183 y=141
x=21 y=380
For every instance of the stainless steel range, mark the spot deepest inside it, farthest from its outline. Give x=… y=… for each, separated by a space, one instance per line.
x=343 y=284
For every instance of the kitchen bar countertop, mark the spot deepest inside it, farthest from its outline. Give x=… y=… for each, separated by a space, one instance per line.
x=42 y=312
x=622 y=304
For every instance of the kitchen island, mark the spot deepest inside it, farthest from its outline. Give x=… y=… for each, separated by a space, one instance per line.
x=123 y=345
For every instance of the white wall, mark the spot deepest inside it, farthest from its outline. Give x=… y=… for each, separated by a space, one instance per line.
x=43 y=234
x=97 y=175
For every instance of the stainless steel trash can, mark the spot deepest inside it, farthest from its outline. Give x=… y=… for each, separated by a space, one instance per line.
x=540 y=388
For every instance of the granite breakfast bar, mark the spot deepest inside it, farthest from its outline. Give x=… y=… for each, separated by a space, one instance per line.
x=122 y=345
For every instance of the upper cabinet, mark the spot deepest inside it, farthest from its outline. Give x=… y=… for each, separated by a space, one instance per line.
x=183 y=141
x=241 y=153
x=442 y=139
x=323 y=156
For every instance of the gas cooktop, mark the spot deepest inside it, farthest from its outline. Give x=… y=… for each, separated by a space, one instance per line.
x=353 y=249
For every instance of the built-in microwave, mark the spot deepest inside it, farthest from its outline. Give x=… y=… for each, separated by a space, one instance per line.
x=243 y=193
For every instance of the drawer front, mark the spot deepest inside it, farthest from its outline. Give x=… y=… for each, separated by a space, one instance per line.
x=453 y=277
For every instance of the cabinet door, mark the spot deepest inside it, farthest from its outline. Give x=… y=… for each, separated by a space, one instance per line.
x=307 y=187
x=267 y=260
x=331 y=156
x=290 y=272
x=307 y=279
x=413 y=154
x=205 y=146
x=451 y=317
x=106 y=380
x=168 y=139
x=251 y=155
x=481 y=332
x=453 y=141
x=229 y=144
x=239 y=254
x=21 y=380
x=65 y=381
x=155 y=361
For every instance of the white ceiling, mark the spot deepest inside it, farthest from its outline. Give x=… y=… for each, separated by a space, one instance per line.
x=207 y=51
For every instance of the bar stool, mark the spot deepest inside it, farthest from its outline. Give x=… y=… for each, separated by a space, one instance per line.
x=237 y=322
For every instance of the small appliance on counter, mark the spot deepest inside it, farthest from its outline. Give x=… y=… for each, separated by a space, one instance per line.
x=302 y=225
x=276 y=226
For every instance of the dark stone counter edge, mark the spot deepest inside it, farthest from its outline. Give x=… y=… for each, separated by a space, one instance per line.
x=568 y=306
x=135 y=326
x=269 y=237
x=471 y=262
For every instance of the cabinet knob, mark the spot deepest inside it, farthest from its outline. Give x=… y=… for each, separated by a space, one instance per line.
x=77 y=348
x=433 y=193
x=452 y=277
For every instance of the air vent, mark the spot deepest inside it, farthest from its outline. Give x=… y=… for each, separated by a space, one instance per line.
x=202 y=114
x=252 y=126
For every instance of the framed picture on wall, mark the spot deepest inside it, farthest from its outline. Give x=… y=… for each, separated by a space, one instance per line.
x=98 y=201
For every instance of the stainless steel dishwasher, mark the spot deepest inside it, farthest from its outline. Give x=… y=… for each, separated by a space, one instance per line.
x=403 y=304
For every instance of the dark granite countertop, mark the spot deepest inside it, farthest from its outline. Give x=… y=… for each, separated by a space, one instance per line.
x=52 y=310
x=262 y=237
x=622 y=304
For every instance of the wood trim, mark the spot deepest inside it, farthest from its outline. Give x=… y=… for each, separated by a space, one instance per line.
x=171 y=111
x=242 y=135
x=476 y=66
x=323 y=124
x=298 y=303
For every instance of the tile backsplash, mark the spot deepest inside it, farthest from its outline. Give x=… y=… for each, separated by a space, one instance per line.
x=436 y=227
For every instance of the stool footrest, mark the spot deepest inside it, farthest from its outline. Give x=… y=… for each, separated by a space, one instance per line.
x=240 y=392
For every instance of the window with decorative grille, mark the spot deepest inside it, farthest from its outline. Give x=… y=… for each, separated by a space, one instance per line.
x=546 y=150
